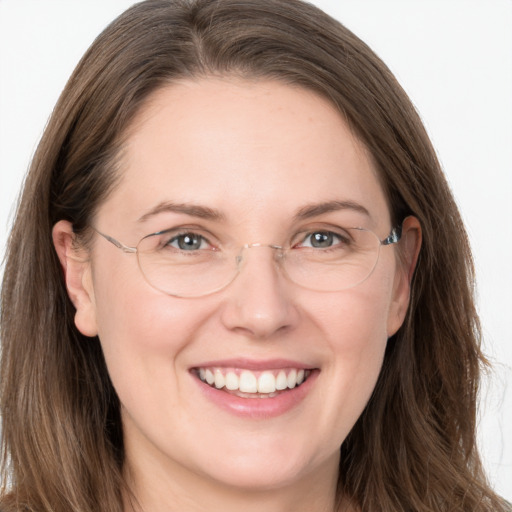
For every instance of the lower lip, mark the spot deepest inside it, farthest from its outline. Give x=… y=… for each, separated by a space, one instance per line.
x=259 y=408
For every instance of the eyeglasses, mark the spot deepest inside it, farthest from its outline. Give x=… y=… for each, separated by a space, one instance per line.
x=184 y=263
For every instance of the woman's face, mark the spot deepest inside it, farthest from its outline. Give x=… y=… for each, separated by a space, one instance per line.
x=242 y=161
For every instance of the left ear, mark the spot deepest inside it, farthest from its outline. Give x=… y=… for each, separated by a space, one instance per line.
x=408 y=252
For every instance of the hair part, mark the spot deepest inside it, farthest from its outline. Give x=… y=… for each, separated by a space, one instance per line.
x=414 y=446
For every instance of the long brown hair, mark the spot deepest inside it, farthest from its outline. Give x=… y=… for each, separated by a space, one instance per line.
x=413 y=448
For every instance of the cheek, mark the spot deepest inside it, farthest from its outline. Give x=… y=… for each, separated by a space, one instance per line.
x=142 y=331
x=355 y=321
x=354 y=324
x=363 y=324
x=358 y=341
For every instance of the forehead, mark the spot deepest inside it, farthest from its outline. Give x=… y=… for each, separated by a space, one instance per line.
x=245 y=148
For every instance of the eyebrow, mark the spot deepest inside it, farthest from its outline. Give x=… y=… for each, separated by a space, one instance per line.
x=204 y=212
x=330 y=206
x=194 y=210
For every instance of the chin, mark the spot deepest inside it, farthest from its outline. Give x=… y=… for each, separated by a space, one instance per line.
x=266 y=465
x=260 y=477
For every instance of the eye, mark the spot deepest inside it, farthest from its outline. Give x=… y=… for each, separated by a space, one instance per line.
x=321 y=240
x=188 y=242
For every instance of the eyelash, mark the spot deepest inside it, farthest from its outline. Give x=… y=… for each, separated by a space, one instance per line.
x=327 y=233
x=167 y=242
x=337 y=237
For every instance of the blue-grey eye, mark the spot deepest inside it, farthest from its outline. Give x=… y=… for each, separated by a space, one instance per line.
x=321 y=240
x=188 y=242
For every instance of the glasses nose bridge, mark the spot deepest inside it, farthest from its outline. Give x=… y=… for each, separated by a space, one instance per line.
x=278 y=250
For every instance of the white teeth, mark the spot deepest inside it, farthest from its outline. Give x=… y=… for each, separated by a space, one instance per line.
x=220 y=381
x=281 y=381
x=292 y=379
x=232 y=382
x=248 y=382
x=266 y=383
x=209 y=377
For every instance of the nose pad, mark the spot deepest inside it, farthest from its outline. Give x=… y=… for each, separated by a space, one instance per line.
x=242 y=255
x=259 y=302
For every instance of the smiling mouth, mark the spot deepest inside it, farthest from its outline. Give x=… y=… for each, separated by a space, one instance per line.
x=253 y=384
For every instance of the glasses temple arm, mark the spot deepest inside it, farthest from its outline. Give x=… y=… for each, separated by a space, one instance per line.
x=115 y=242
x=394 y=237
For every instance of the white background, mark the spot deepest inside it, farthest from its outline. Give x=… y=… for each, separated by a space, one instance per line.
x=454 y=58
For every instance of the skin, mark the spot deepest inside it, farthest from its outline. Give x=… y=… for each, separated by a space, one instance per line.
x=257 y=152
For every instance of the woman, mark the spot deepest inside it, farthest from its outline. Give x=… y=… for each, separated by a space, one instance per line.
x=238 y=254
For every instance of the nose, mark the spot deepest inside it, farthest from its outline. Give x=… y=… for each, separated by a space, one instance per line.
x=259 y=302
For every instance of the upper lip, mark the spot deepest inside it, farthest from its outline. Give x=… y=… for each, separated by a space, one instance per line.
x=255 y=365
